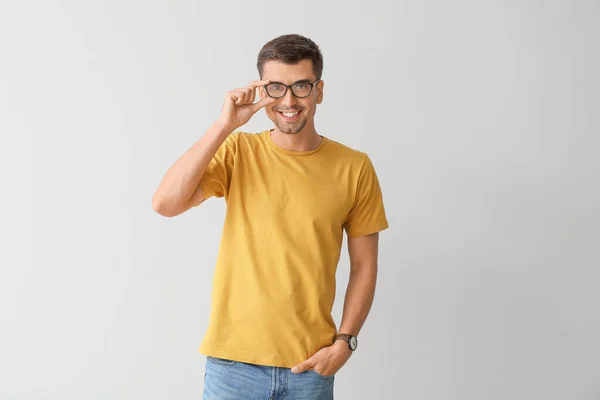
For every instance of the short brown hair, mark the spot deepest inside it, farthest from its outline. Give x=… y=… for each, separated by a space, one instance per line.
x=291 y=49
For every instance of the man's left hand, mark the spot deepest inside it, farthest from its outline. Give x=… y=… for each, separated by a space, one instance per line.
x=326 y=361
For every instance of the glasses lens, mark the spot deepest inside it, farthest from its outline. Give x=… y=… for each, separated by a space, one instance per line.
x=275 y=90
x=301 y=89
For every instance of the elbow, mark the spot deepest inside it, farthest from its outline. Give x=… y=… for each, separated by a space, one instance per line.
x=159 y=206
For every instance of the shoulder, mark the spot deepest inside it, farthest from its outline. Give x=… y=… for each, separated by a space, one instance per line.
x=347 y=154
x=243 y=139
x=239 y=142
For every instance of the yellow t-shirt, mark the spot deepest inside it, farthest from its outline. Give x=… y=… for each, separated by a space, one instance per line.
x=274 y=282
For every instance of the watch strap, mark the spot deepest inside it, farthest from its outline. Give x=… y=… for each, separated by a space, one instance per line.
x=346 y=338
x=343 y=336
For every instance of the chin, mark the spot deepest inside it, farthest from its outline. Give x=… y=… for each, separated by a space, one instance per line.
x=291 y=129
x=287 y=130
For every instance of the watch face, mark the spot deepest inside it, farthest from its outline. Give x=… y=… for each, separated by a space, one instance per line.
x=353 y=342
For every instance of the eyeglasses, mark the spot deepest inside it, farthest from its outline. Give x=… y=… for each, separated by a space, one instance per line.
x=301 y=89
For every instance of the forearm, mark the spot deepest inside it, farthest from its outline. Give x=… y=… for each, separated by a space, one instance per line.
x=359 y=298
x=181 y=180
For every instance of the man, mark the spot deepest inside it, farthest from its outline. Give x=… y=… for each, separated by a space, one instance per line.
x=290 y=194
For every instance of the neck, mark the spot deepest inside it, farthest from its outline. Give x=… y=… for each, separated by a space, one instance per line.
x=305 y=140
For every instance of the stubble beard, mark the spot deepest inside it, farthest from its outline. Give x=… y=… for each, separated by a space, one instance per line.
x=292 y=128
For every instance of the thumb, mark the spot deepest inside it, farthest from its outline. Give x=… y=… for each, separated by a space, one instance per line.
x=262 y=102
x=303 y=366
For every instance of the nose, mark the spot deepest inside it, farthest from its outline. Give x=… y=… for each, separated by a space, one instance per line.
x=289 y=100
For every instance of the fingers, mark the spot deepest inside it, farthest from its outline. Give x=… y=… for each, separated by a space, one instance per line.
x=256 y=84
x=239 y=97
x=261 y=103
x=246 y=95
x=250 y=90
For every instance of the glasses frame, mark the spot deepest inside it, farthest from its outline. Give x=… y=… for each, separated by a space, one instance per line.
x=290 y=88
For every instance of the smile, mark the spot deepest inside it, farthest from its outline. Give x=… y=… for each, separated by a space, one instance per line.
x=290 y=116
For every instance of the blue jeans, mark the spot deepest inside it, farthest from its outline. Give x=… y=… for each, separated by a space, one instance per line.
x=236 y=380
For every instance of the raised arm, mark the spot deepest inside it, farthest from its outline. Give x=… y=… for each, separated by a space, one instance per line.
x=178 y=190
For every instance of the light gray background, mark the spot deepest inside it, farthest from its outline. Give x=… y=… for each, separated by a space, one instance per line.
x=482 y=121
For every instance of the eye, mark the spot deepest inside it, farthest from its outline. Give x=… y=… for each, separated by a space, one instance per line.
x=276 y=86
x=302 y=86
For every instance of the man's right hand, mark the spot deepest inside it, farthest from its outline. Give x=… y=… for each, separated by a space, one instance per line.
x=179 y=190
x=239 y=105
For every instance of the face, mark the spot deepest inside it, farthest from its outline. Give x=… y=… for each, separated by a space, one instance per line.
x=306 y=107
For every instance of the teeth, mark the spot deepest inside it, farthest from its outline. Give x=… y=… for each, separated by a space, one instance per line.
x=290 y=115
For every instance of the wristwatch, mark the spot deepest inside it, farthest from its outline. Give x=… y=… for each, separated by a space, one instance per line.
x=352 y=340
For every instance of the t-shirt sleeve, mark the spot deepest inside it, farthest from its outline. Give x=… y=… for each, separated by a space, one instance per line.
x=368 y=213
x=217 y=177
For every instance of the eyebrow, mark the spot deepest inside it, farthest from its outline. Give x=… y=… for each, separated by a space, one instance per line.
x=300 y=81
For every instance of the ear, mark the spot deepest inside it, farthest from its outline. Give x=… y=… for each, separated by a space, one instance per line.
x=262 y=92
x=320 y=91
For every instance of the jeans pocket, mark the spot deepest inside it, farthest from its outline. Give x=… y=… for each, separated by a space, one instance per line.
x=324 y=377
x=220 y=361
